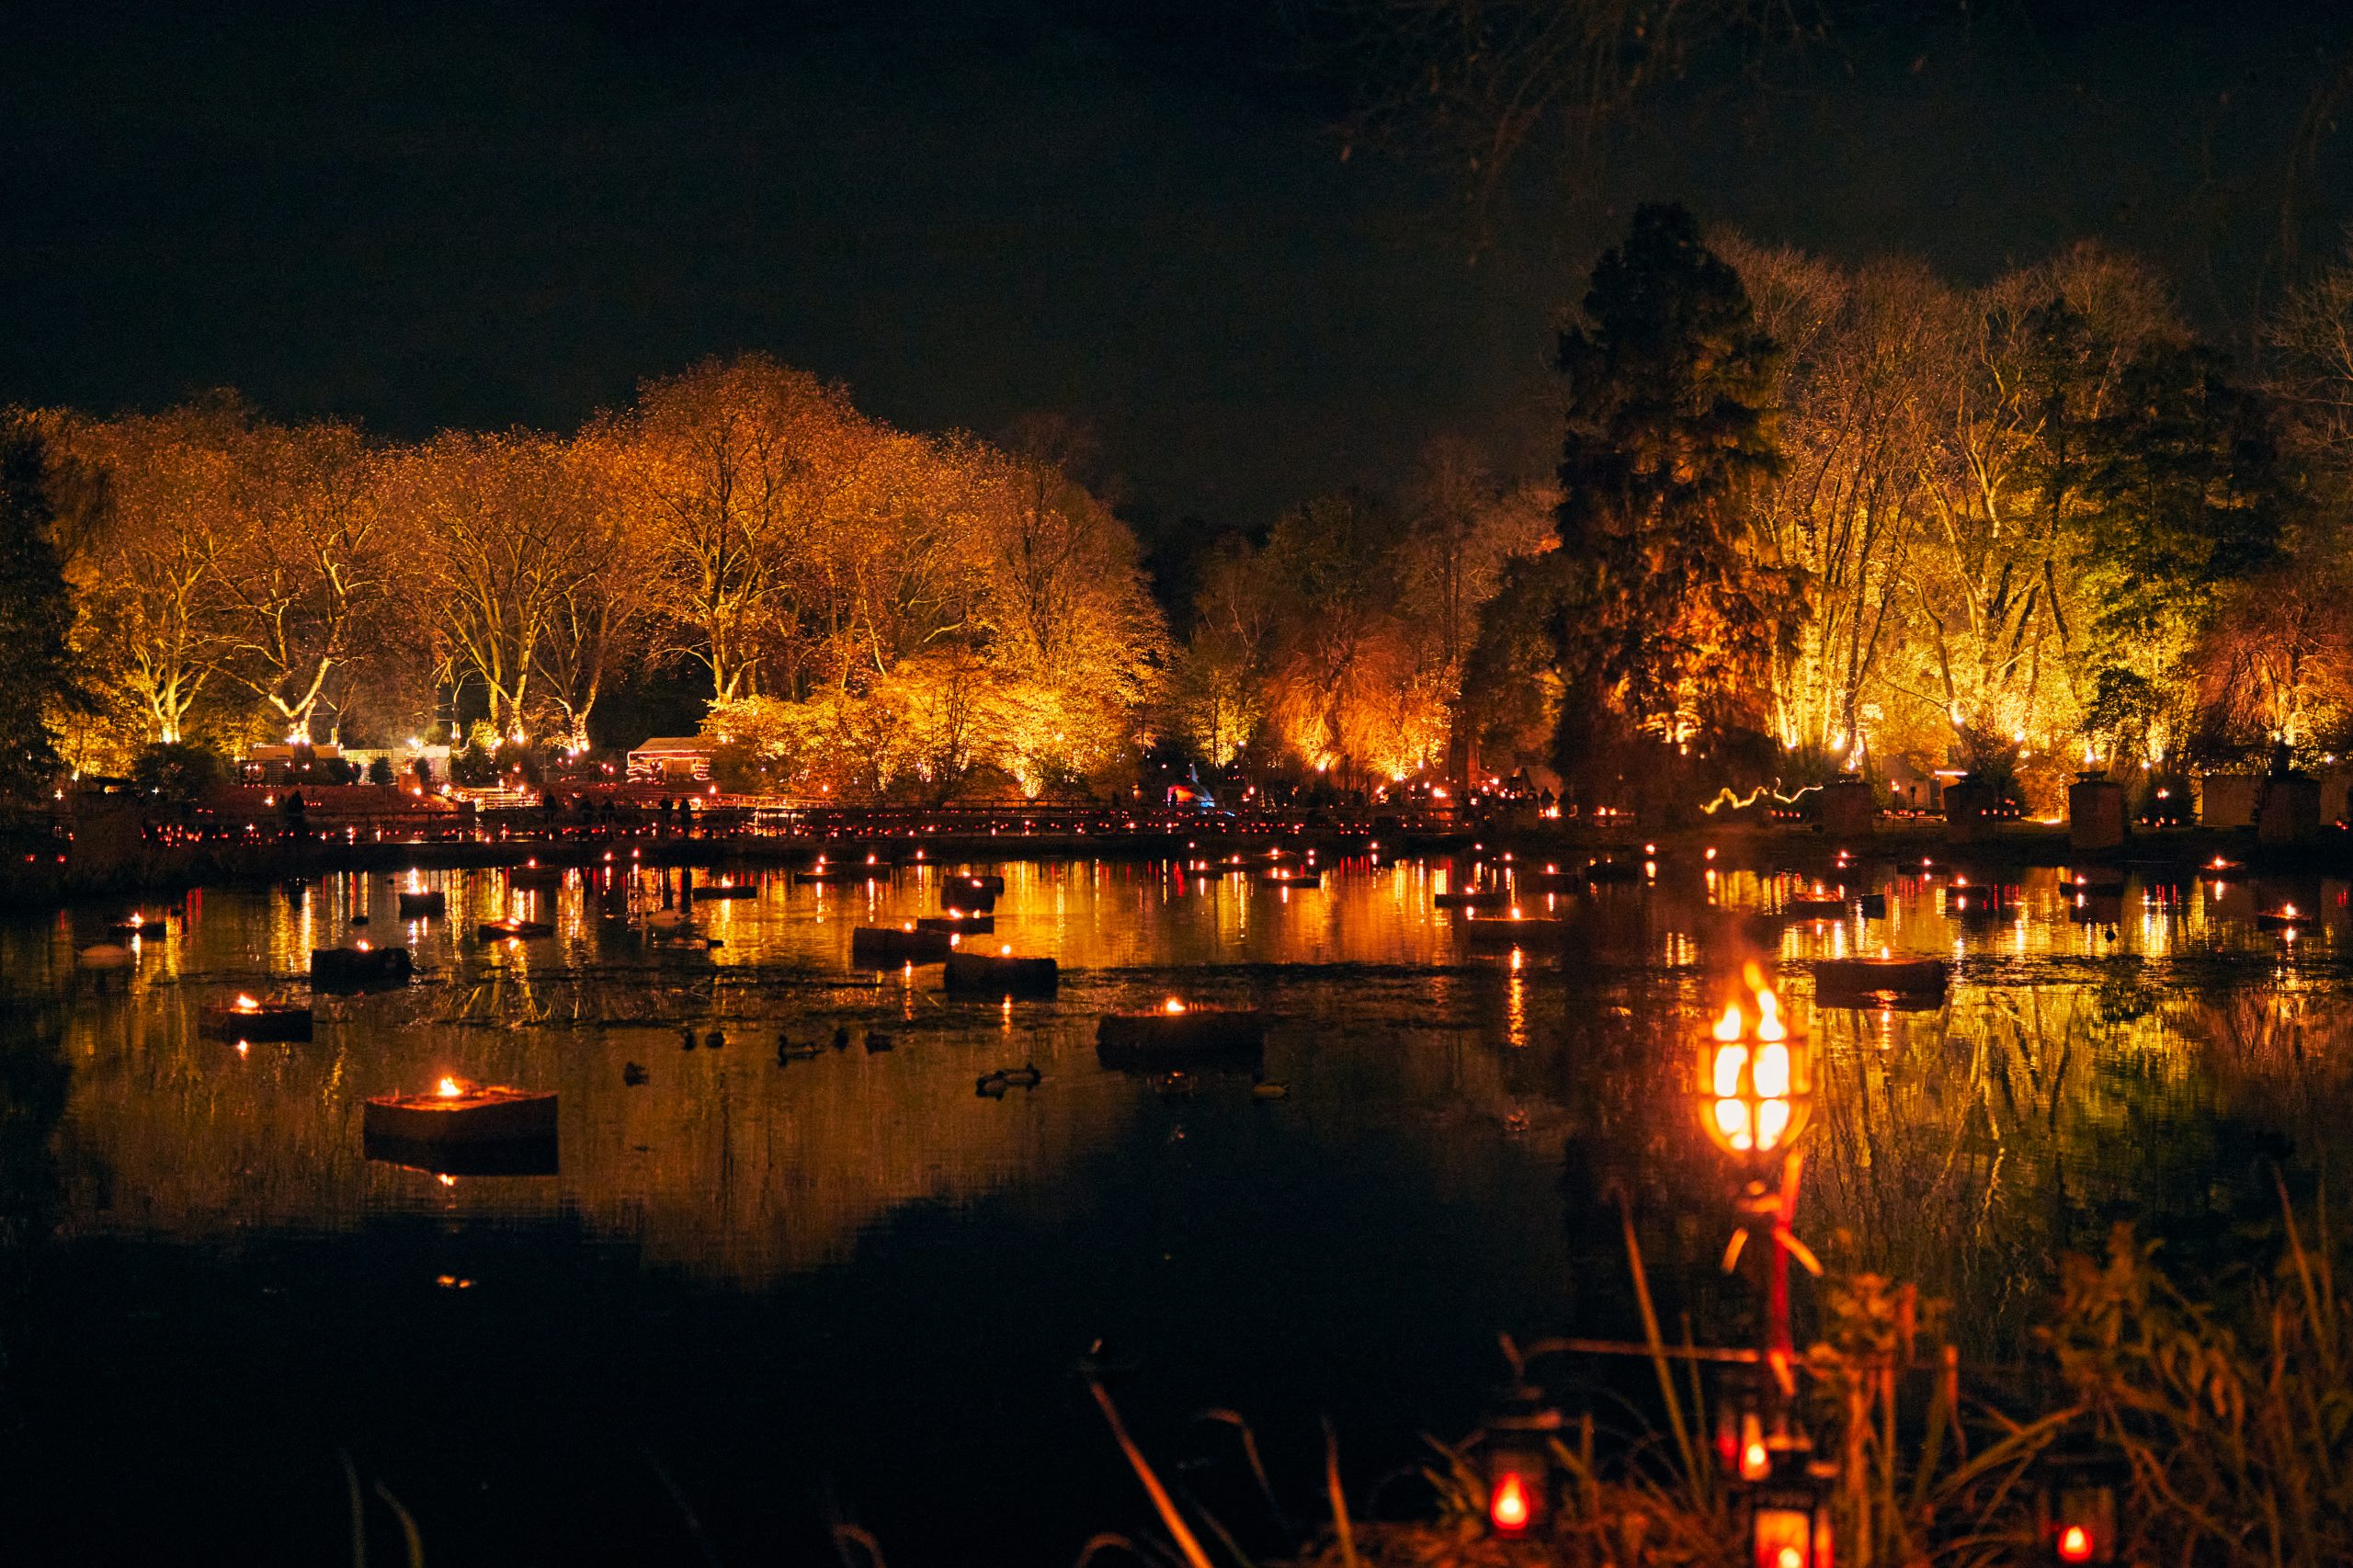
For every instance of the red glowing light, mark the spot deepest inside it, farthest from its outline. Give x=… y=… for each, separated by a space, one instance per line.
x=2075 y=1544
x=1508 y=1507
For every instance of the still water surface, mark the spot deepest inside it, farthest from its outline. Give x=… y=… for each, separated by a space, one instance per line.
x=849 y=1287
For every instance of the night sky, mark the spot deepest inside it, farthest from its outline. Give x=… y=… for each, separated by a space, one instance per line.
x=1137 y=215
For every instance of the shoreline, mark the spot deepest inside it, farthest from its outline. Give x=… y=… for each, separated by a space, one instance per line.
x=53 y=881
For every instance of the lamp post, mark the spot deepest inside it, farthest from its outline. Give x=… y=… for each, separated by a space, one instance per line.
x=1755 y=1095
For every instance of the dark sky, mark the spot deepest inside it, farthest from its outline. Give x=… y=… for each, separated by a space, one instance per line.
x=426 y=214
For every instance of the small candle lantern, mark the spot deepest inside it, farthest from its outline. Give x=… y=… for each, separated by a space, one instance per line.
x=2076 y=1511
x=1519 y=1463
x=1756 y=1082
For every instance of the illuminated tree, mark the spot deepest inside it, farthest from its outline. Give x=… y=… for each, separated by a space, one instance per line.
x=167 y=510
x=304 y=567
x=1867 y=361
x=762 y=493
x=1679 y=611
x=2184 y=502
x=1463 y=526
x=499 y=534
x=35 y=615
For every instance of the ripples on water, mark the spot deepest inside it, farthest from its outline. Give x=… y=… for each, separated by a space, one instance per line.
x=853 y=1271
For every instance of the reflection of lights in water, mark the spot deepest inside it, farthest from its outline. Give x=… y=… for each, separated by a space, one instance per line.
x=1515 y=1006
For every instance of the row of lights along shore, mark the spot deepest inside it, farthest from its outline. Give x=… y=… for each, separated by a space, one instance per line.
x=1752 y=1089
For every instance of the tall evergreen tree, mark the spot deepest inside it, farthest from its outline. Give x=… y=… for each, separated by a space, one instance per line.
x=1673 y=613
x=2186 y=501
x=36 y=616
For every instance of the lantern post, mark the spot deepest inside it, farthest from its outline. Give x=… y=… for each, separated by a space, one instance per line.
x=1755 y=1094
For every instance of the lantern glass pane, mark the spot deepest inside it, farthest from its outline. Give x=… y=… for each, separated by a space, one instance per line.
x=1783 y=1538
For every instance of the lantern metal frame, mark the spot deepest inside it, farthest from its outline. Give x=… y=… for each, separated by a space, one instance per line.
x=1755 y=1089
x=1518 y=1445
x=2076 y=1505
x=1789 y=1524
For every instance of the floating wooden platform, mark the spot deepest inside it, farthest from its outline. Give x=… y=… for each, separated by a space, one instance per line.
x=457 y=1113
x=726 y=890
x=1158 y=1040
x=1868 y=982
x=888 y=947
x=359 y=969
x=997 y=974
x=1503 y=931
x=246 y=1018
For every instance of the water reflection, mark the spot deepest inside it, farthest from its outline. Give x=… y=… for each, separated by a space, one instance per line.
x=2110 y=1047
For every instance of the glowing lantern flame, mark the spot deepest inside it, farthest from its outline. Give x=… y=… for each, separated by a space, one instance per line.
x=1005 y=951
x=447 y=1089
x=1172 y=1006
x=1508 y=1508
x=246 y=1003
x=1730 y=1025
x=2075 y=1544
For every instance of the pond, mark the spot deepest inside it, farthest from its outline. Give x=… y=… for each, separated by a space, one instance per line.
x=756 y=1297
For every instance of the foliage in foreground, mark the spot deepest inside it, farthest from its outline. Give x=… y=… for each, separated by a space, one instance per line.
x=2233 y=1418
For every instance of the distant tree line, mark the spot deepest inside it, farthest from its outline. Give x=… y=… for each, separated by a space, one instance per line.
x=1807 y=518
x=862 y=604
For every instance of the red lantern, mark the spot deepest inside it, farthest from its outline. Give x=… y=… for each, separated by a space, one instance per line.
x=2078 y=1506
x=1519 y=1463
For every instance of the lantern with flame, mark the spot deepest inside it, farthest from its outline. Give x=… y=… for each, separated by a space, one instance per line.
x=1520 y=1462
x=1755 y=1081
x=2076 y=1511
x=1788 y=1526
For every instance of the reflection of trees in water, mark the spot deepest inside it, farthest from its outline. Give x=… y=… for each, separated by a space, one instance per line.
x=725 y=1166
x=34 y=1078
x=1966 y=1151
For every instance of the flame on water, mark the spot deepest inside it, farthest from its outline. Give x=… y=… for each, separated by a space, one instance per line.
x=448 y=1089
x=1172 y=1006
x=246 y=1003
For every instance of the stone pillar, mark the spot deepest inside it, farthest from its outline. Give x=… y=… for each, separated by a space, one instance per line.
x=2094 y=814
x=1848 y=808
x=2333 y=790
x=2290 y=811
x=109 y=839
x=1967 y=802
x=2227 y=800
